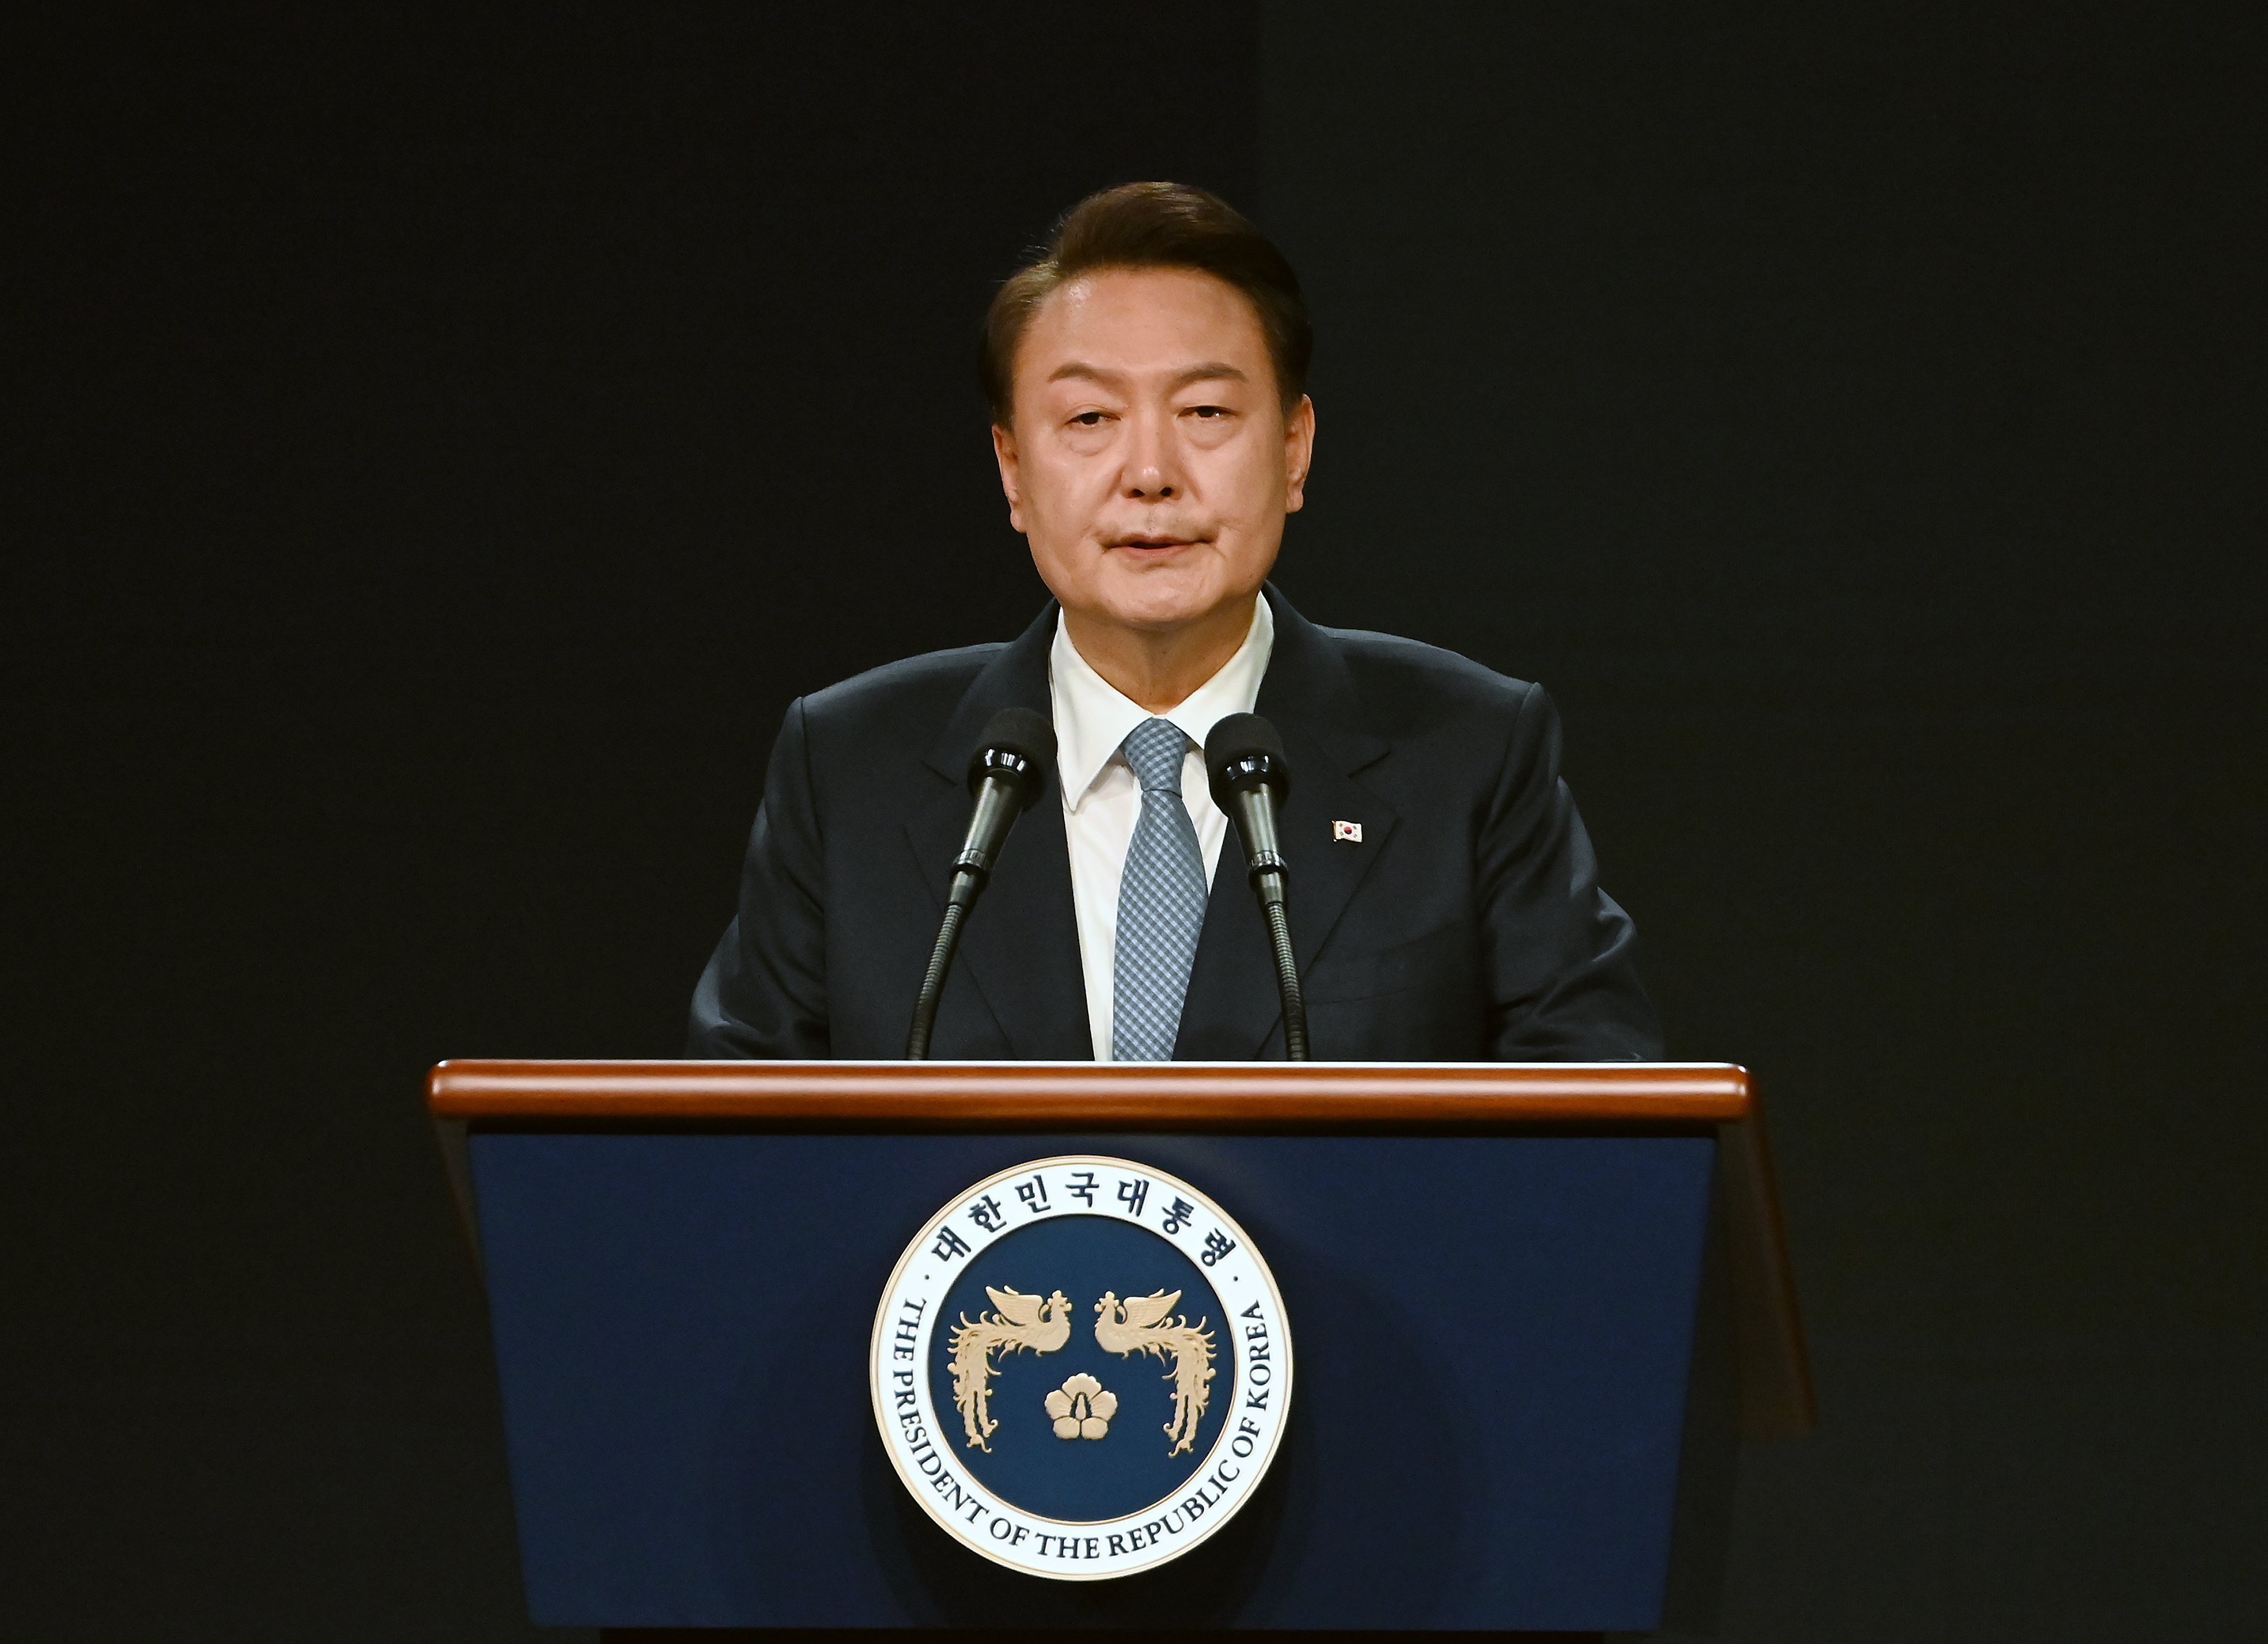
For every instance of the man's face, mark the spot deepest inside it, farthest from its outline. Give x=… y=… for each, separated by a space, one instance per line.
x=1151 y=464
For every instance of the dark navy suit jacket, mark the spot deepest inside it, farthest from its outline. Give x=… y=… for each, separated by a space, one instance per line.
x=1467 y=926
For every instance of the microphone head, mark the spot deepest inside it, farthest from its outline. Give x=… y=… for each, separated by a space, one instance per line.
x=1242 y=752
x=1018 y=747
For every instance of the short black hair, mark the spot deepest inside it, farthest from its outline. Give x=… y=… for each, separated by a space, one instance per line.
x=1152 y=226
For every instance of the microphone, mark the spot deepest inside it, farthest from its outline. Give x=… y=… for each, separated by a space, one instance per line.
x=1251 y=778
x=1006 y=776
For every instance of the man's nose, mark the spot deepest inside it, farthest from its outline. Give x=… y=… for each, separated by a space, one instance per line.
x=1152 y=468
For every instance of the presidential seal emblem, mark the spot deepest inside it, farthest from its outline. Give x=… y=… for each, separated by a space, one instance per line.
x=1080 y=1367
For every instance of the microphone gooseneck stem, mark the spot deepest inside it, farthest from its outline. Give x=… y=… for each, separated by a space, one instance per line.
x=966 y=883
x=1269 y=883
x=1006 y=776
x=1255 y=817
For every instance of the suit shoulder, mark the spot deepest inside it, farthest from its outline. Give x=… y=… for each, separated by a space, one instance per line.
x=918 y=689
x=1401 y=679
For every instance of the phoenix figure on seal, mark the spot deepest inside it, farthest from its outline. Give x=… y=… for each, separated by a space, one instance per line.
x=1022 y=1322
x=1144 y=1324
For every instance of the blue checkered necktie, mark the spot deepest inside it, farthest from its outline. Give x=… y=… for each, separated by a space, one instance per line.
x=1162 y=902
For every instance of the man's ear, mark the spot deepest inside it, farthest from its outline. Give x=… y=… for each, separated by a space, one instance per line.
x=1299 y=451
x=1004 y=451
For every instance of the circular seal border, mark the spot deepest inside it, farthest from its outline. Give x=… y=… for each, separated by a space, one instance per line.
x=1257 y=1337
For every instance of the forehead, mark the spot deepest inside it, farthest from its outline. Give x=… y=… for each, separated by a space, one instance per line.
x=1141 y=320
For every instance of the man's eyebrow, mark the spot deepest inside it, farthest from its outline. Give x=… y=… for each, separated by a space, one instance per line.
x=1211 y=371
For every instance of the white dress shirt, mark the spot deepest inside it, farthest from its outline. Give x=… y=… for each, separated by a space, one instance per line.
x=1102 y=799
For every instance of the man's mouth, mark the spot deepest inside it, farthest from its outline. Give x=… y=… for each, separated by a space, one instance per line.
x=1150 y=543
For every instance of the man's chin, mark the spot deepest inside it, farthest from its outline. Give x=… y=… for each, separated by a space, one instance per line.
x=1155 y=605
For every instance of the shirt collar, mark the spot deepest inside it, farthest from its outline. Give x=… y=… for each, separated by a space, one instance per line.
x=1092 y=717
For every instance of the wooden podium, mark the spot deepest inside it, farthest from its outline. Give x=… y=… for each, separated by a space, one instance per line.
x=1534 y=1307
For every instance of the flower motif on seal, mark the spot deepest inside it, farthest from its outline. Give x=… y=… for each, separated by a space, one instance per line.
x=1081 y=1409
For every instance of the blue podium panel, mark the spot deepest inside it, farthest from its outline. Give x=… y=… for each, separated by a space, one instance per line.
x=1494 y=1338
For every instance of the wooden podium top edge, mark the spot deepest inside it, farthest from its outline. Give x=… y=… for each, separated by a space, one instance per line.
x=1149 y=1095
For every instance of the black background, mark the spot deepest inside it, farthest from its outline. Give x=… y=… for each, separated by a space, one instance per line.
x=440 y=444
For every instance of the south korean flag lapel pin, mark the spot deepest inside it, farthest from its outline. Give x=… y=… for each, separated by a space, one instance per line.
x=1346 y=833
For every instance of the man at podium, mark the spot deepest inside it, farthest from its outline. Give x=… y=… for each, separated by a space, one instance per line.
x=1146 y=378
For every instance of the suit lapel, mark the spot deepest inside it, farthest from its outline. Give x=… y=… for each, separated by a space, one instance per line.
x=1230 y=1008
x=1019 y=948
x=1233 y=1012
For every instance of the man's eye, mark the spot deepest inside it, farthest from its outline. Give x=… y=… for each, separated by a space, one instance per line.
x=1210 y=413
x=1087 y=419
